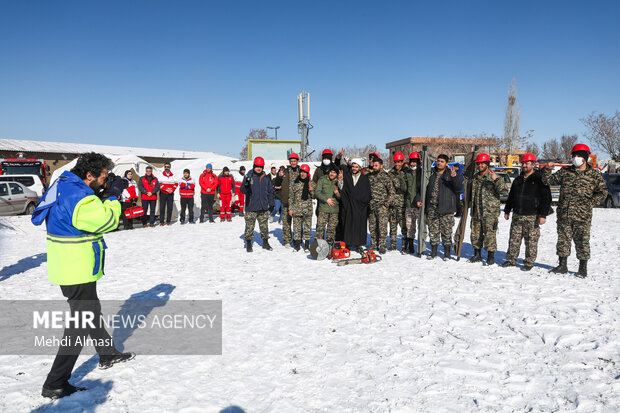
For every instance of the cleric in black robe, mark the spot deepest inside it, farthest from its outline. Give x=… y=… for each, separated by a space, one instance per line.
x=354 y=198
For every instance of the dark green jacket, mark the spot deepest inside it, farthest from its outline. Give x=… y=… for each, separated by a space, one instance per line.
x=413 y=187
x=323 y=191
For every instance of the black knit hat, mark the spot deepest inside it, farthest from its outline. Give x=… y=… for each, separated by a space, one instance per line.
x=333 y=167
x=186 y=170
x=225 y=169
x=241 y=168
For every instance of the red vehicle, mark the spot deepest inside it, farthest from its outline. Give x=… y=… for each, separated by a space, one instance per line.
x=25 y=166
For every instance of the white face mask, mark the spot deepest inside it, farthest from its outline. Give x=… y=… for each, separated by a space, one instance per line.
x=326 y=162
x=413 y=168
x=577 y=161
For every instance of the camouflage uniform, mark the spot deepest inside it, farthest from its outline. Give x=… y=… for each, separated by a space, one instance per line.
x=523 y=226
x=439 y=225
x=580 y=191
x=250 y=222
x=327 y=215
x=302 y=211
x=485 y=210
x=397 y=205
x=381 y=192
x=286 y=182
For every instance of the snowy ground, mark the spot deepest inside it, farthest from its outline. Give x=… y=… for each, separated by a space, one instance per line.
x=405 y=334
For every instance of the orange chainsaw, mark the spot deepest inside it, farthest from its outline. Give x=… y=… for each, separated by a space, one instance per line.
x=368 y=257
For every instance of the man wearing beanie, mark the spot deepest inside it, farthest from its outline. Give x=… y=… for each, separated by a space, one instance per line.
x=208 y=186
x=581 y=189
x=186 y=190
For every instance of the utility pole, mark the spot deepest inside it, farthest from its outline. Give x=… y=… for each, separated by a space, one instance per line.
x=303 y=121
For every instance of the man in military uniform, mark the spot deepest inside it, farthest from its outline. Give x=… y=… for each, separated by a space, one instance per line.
x=259 y=202
x=485 y=209
x=328 y=200
x=441 y=199
x=286 y=181
x=381 y=192
x=397 y=203
x=413 y=201
x=581 y=189
x=529 y=200
x=300 y=207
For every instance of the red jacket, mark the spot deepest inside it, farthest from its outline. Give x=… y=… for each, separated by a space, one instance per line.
x=129 y=193
x=208 y=180
x=146 y=185
x=167 y=181
x=226 y=185
x=186 y=187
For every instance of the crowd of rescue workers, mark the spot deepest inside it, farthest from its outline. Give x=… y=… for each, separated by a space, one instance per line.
x=353 y=198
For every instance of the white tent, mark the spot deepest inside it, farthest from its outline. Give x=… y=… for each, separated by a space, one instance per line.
x=121 y=164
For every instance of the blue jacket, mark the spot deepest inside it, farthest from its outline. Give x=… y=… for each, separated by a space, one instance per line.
x=258 y=192
x=76 y=220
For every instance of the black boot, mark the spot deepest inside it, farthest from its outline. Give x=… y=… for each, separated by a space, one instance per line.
x=411 y=246
x=105 y=362
x=433 y=252
x=296 y=245
x=307 y=245
x=583 y=269
x=266 y=245
x=446 y=253
x=507 y=264
x=490 y=257
x=392 y=248
x=404 y=246
x=561 y=268
x=248 y=246
x=62 y=392
x=477 y=257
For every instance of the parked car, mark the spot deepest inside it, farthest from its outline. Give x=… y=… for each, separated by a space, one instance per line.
x=512 y=171
x=16 y=199
x=503 y=197
x=613 y=186
x=32 y=182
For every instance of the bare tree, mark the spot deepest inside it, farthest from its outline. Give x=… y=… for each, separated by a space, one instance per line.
x=552 y=150
x=604 y=132
x=254 y=134
x=512 y=140
x=533 y=148
x=566 y=143
x=356 y=151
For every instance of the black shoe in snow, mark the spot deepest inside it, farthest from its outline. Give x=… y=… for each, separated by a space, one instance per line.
x=105 y=362
x=241 y=214
x=68 y=390
x=222 y=220
x=527 y=267
x=446 y=253
x=266 y=245
x=583 y=269
x=404 y=247
x=297 y=245
x=411 y=247
x=382 y=250
x=433 y=252
x=490 y=257
x=477 y=257
x=307 y=245
x=507 y=264
x=229 y=220
x=248 y=246
x=562 y=267
x=392 y=248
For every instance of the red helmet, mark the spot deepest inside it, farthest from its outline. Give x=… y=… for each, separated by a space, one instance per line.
x=305 y=168
x=483 y=157
x=293 y=156
x=327 y=152
x=258 y=161
x=374 y=155
x=581 y=147
x=528 y=157
x=398 y=157
x=414 y=155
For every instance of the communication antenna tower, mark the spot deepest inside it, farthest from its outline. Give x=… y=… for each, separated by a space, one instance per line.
x=303 y=121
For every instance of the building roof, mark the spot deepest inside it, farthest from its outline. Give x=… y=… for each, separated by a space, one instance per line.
x=437 y=141
x=19 y=145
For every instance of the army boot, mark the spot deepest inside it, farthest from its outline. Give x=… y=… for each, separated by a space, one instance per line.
x=583 y=269
x=562 y=268
x=477 y=257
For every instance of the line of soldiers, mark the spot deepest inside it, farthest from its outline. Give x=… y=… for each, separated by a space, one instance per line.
x=351 y=199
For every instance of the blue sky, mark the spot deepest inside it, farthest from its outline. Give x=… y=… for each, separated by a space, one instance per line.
x=198 y=75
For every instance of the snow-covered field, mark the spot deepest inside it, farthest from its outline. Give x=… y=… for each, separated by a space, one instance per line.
x=405 y=334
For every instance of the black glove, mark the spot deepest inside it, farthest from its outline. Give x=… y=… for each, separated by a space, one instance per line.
x=116 y=187
x=271 y=208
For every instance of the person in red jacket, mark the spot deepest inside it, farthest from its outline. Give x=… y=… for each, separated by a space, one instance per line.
x=240 y=196
x=208 y=185
x=186 y=190
x=129 y=198
x=149 y=187
x=225 y=189
x=167 y=185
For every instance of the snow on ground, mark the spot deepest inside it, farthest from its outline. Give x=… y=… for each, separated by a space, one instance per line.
x=405 y=334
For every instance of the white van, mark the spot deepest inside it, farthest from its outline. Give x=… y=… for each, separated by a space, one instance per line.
x=32 y=182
